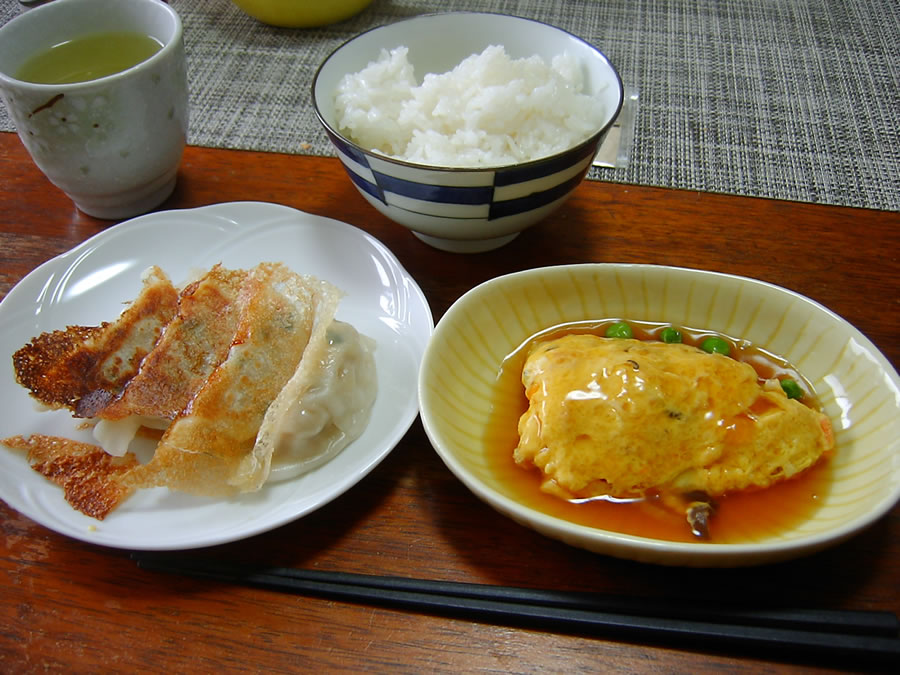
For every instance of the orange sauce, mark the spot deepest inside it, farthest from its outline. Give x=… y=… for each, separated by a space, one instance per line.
x=739 y=517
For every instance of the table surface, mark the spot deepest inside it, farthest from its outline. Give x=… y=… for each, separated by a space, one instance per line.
x=780 y=99
x=68 y=605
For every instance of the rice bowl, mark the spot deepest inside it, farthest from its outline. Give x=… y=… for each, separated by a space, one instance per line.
x=464 y=117
x=466 y=208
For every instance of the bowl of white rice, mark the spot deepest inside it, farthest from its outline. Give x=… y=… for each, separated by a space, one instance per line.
x=467 y=127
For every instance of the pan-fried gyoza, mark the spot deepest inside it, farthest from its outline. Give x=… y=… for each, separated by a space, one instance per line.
x=241 y=370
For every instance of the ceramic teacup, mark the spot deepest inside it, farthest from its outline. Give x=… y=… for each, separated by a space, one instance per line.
x=112 y=144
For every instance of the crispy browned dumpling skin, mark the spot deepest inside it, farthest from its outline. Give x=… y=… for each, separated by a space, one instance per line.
x=238 y=348
x=87 y=475
x=83 y=367
x=623 y=417
x=193 y=344
x=211 y=447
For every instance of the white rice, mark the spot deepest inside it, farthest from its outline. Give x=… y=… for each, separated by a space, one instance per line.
x=490 y=110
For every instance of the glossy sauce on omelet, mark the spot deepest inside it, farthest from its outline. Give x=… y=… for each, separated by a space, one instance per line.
x=741 y=515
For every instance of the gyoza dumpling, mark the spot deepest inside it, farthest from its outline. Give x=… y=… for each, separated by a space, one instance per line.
x=192 y=345
x=83 y=367
x=239 y=366
x=324 y=407
x=211 y=447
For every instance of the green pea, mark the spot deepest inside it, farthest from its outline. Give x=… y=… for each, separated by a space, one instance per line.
x=791 y=388
x=620 y=329
x=716 y=345
x=670 y=335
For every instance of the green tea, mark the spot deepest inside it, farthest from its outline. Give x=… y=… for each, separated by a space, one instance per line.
x=88 y=58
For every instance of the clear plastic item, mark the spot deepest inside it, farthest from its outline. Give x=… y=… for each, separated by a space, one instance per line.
x=615 y=151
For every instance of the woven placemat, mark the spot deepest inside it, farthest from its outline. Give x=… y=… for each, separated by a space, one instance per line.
x=785 y=99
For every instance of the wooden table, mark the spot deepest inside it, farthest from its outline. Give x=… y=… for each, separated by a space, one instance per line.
x=70 y=606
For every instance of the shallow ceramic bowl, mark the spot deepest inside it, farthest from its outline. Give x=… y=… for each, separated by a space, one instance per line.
x=301 y=13
x=455 y=209
x=858 y=387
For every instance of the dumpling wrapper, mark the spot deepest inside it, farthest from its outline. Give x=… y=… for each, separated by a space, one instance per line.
x=82 y=367
x=194 y=342
x=214 y=447
x=322 y=410
x=87 y=475
x=192 y=345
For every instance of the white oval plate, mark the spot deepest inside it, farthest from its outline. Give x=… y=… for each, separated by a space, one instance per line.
x=857 y=386
x=88 y=285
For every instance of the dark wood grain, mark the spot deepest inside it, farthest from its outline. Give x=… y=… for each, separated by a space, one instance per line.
x=69 y=606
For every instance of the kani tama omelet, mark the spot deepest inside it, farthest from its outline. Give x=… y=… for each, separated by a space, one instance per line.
x=624 y=418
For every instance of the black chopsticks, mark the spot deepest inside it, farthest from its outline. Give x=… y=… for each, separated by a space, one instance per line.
x=825 y=633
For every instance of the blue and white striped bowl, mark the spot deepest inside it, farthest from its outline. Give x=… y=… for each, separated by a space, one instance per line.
x=465 y=209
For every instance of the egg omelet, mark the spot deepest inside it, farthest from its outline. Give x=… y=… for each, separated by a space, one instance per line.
x=623 y=418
